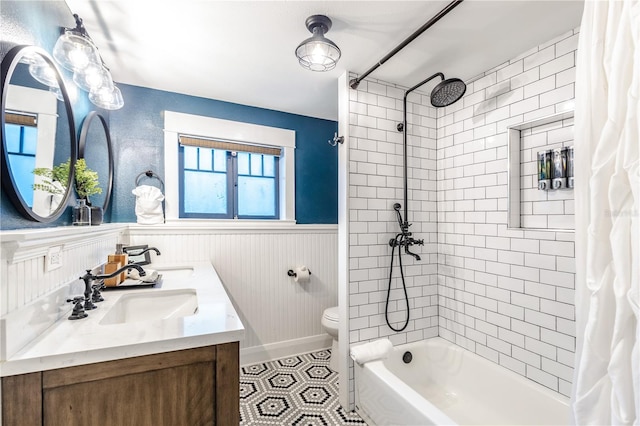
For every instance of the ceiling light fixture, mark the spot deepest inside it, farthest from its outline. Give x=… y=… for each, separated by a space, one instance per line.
x=318 y=53
x=75 y=51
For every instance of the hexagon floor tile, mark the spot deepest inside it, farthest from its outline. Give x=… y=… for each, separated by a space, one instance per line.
x=299 y=390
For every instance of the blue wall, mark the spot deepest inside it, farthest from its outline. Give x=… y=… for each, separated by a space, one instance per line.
x=137 y=134
x=137 y=129
x=37 y=23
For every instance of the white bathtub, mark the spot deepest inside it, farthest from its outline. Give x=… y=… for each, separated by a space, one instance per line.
x=445 y=384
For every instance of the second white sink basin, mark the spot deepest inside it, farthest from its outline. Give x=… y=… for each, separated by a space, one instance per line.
x=152 y=305
x=175 y=273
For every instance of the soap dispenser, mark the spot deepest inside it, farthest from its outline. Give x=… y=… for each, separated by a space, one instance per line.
x=115 y=262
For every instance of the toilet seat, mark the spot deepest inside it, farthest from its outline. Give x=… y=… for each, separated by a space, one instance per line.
x=331 y=314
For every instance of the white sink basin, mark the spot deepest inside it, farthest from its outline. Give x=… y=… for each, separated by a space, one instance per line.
x=175 y=273
x=152 y=305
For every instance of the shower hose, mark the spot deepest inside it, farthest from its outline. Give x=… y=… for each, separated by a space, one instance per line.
x=397 y=242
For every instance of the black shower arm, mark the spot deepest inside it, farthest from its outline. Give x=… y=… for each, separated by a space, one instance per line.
x=425 y=81
x=404 y=142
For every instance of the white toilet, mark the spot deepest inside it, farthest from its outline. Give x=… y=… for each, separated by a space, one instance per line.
x=330 y=323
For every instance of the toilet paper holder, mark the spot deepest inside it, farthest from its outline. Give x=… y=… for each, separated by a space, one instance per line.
x=292 y=273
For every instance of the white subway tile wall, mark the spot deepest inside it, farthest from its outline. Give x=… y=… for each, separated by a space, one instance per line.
x=508 y=295
x=375 y=184
x=551 y=209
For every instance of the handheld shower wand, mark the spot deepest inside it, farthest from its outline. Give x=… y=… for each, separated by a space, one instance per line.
x=404 y=238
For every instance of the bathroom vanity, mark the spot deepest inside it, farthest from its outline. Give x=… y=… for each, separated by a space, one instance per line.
x=144 y=357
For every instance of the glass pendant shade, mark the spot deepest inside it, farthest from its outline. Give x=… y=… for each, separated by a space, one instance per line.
x=32 y=58
x=43 y=73
x=93 y=77
x=318 y=53
x=56 y=91
x=74 y=51
x=107 y=98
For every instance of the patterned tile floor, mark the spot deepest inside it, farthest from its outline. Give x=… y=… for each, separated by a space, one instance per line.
x=300 y=390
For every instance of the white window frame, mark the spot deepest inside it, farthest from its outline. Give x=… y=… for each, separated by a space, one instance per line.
x=44 y=104
x=176 y=123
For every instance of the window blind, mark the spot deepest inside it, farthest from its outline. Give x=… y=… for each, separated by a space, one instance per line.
x=229 y=146
x=20 y=119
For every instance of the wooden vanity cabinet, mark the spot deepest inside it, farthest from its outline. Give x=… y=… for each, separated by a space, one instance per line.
x=191 y=387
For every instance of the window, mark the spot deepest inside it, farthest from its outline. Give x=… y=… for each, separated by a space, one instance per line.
x=22 y=141
x=263 y=168
x=218 y=183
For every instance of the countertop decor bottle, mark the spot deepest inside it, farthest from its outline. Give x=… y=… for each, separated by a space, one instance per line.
x=81 y=213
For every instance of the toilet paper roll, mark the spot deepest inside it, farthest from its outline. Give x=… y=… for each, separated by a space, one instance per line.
x=302 y=275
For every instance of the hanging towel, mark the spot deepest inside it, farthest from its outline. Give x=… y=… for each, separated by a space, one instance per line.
x=149 y=205
x=372 y=351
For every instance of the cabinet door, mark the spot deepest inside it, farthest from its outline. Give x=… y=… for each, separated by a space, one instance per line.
x=22 y=400
x=173 y=396
x=176 y=388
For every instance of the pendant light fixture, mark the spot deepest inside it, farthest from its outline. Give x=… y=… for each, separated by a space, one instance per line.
x=318 y=53
x=77 y=52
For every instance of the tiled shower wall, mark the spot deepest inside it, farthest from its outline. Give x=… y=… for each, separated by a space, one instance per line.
x=507 y=295
x=375 y=184
x=504 y=294
x=544 y=209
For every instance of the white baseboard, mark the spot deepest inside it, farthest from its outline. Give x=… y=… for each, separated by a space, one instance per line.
x=272 y=351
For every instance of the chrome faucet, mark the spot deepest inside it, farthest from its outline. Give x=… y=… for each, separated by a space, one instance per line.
x=88 y=278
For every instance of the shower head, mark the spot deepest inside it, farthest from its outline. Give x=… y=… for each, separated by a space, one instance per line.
x=447 y=92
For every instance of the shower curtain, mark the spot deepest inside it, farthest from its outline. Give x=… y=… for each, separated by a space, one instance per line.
x=606 y=385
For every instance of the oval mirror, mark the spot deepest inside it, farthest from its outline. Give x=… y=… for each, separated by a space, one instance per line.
x=38 y=134
x=95 y=147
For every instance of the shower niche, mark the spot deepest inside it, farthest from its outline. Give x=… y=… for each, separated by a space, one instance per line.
x=530 y=205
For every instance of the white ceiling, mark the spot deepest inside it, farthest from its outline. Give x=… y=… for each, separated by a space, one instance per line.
x=243 y=51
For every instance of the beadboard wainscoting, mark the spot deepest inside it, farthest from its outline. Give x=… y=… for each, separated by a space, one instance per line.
x=281 y=317
x=23 y=277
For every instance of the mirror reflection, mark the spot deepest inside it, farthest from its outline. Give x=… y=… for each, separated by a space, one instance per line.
x=37 y=134
x=95 y=148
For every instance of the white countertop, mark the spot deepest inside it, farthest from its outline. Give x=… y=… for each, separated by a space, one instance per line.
x=68 y=343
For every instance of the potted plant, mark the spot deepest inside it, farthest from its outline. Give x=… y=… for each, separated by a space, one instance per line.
x=87 y=184
x=55 y=182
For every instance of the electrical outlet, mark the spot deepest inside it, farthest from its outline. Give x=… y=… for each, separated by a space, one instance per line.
x=53 y=259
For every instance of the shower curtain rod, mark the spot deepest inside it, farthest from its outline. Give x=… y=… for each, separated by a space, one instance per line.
x=354 y=82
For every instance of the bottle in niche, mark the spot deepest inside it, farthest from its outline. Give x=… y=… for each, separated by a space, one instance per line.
x=81 y=213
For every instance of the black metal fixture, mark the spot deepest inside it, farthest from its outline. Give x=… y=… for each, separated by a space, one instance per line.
x=444 y=94
x=318 y=53
x=354 y=82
